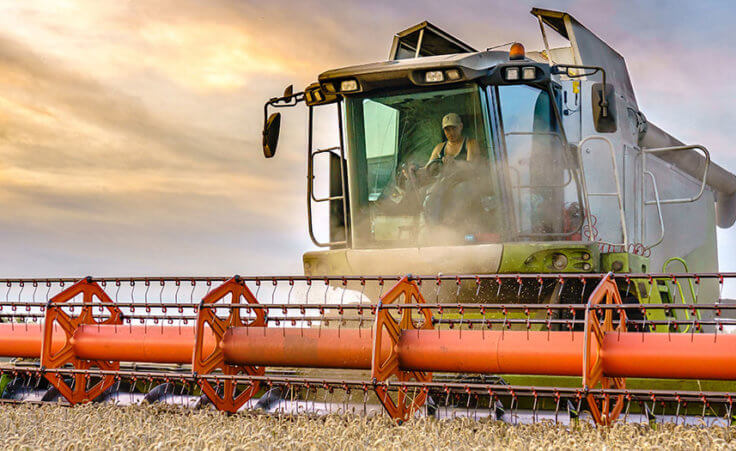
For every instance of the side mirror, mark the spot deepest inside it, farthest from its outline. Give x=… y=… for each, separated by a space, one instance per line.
x=271 y=135
x=603 y=99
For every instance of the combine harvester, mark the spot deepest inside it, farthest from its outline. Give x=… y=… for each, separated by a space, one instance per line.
x=566 y=246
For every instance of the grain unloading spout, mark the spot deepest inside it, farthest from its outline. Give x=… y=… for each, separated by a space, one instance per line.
x=588 y=49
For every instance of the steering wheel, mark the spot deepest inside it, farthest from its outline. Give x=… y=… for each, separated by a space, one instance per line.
x=434 y=167
x=412 y=177
x=406 y=177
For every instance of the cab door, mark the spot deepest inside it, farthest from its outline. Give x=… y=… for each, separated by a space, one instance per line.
x=544 y=199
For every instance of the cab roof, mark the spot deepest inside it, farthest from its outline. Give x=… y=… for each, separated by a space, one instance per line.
x=470 y=63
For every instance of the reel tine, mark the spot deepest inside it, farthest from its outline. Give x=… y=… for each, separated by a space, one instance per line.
x=38 y=380
x=628 y=407
x=345 y=401
x=498 y=410
x=290 y=396
x=365 y=399
x=649 y=414
x=705 y=405
x=447 y=401
x=314 y=400
x=572 y=412
x=324 y=401
x=467 y=404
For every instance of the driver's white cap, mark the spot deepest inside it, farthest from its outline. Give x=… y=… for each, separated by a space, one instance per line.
x=451 y=119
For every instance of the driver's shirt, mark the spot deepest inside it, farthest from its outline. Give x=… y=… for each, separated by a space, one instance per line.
x=462 y=155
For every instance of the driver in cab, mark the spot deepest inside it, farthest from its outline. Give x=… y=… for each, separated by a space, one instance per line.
x=456 y=194
x=457 y=147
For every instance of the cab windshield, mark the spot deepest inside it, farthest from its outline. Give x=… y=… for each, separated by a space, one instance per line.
x=420 y=171
x=465 y=165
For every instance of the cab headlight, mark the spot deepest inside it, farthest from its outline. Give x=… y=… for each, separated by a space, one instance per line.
x=529 y=73
x=434 y=76
x=512 y=73
x=453 y=74
x=559 y=261
x=349 y=85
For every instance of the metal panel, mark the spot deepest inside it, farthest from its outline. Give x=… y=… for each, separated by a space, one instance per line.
x=689 y=228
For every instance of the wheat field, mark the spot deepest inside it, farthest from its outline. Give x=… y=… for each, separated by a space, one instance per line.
x=109 y=427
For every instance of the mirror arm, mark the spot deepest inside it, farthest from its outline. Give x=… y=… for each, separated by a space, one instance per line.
x=282 y=102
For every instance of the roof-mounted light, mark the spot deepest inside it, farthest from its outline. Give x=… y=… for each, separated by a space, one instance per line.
x=434 y=76
x=315 y=95
x=512 y=73
x=453 y=74
x=516 y=52
x=348 y=85
x=529 y=73
x=515 y=74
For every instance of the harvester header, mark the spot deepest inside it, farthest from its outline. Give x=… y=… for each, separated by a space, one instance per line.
x=401 y=352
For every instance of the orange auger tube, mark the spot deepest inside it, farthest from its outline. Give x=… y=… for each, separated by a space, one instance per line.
x=168 y=344
x=628 y=354
x=24 y=340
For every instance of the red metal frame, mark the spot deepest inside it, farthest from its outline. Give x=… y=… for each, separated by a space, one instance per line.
x=231 y=399
x=385 y=367
x=605 y=293
x=54 y=357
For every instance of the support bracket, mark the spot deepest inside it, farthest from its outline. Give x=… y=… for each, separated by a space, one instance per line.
x=84 y=389
x=385 y=357
x=603 y=411
x=229 y=398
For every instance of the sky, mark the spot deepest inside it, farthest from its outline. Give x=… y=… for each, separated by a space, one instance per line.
x=130 y=130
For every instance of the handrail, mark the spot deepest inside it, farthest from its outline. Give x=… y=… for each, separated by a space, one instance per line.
x=310 y=182
x=618 y=194
x=659 y=210
x=706 y=153
x=310 y=171
x=679 y=289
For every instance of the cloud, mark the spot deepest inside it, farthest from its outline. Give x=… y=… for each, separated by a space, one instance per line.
x=86 y=166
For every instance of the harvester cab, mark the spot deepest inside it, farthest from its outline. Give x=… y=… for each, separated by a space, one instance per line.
x=453 y=160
